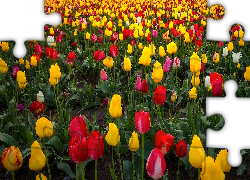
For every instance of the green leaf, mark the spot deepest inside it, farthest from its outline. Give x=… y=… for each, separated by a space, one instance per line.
x=56 y=143
x=242 y=167
x=185 y=160
x=127 y=170
x=113 y=175
x=148 y=147
x=66 y=168
x=186 y=130
x=49 y=96
x=31 y=120
x=8 y=139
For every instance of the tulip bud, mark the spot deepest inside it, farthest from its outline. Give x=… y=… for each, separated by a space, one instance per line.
x=37 y=160
x=112 y=137
x=104 y=75
x=174 y=97
x=134 y=142
x=40 y=96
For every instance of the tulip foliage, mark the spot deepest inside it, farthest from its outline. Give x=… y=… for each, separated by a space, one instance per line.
x=122 y=82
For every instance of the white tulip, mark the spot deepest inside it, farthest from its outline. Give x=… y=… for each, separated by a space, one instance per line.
x=236 y=57
x=40 y=96
x=50 y=40
x=207 y=82
x=225 y=51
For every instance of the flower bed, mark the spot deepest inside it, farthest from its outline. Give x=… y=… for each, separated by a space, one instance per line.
x=117 y=91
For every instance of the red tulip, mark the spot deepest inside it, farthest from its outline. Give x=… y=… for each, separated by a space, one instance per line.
x=74 y=44
x=133 y=42
x=95 y=145
x=148 y=38
x=215 y=76
x=53 y=54
x=220 y=43
x=15 y=70
x=144 y=88
x=59 y=39
x=125 y=33
x=159 y=95
x=78 y=149
x=105 y=102
x=156 y=164
x=217 y=88
x=113 y=51
x=37 y=58
x=78 y=128
x=38 y=50
x=100 y=39
x=142 y=122
x=181 y=149
x=163 y=141
x=47 y=51
x=99 y=55
x=131 y=33
x=198 y=43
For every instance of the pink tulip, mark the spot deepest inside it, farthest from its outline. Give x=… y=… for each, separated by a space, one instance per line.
x=156 y=164
x=15 y=70
x=167 y=65
x=138 y=85
x=94 y=38
x=104 y=75
x=142 y=122
x=176 y=63
x=154 y=33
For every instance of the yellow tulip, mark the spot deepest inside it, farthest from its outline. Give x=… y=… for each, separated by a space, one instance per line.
x=230 y=46
x=157 y=72
x=21 y=61
x=222 y=157
x=21 y=77
x=196 y=154
x=134 y=142
x=204 y=58
x=130 y=49
x=21 y=86
x=12 y=158
x=53 y=81
x=195 y=81
x=216 y=57
x=241 y=42
x=247 y=73
x=87 y=36
x=238 y=65
x=162 y=52
x=37 y=160
x=152 y=49
x=241 y=33
x=55 y=71
x=145 y=57
x=112 y=137
x=44 y=127
x=192 y=93
x=43 y=177
x=33 y=61
x=3 y=66
x=127 y=64
x=121 y=36
x=5 y=46
x=171 y=48
x=27 y=65
x=195 y=63
x=108 y=62
x=140 y=46
x=211 y=170
x=115 y=108
x=136 y=33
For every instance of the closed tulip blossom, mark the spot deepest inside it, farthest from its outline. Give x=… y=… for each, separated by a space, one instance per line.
x=37 y=160
x=78 y=128
x=42 y=176
x=50 y=40
x=12 y=158
x=159 y=95
x=78 y=149
x=195 y=63
x=207 y=82
x=144 y=85
x=225 y=51
x=145 y=57
x=113 y=51
x=15 y=70
x=171 y=48
x=40 y=96
x=216 y=58
x=142 y=122
x=112 y=137
x=55 y=71
x=192 y=93
x=99 y=55
x=157 y=72
x=3 y=66
x=167 y=65
x=156 y=164
x=108 y=62
x=163 y=141
x=127 y=64
x=71 y=58
x=138 y=85
x=133 y=142
x=44 y=127
x=94 y=38
x=95 y=145
x=222 y=157
x=196 y=154
x=230 y=46
x=211 y=169
x=247 y=74
x=104 y=75
x=38 y=50
x=115 y=108
x=181 y=149
x=176 y=63
x=154 y=33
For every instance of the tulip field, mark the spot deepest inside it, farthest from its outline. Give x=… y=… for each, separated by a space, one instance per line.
x=118 y=91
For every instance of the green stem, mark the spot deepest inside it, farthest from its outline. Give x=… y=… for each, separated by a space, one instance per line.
x=113 y=164
x=76 y=171
x=13 y=175
x=142 y=162
x=83 y=177
x=96 y=169
x=120 y=161
x=133 y=162
x=178 y=169
x=46 y=158
x=40 y=174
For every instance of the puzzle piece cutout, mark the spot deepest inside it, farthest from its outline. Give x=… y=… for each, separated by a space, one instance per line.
x=235 y=13
x=235 y=133
x=27 y=22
